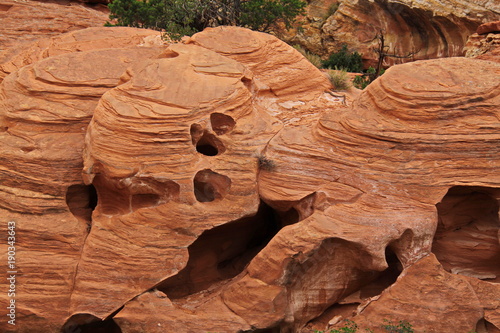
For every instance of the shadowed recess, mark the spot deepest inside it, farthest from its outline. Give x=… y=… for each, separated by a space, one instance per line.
x=210 y=185
x=81 y=200
x=87 y=323
x=375 y=284
x=467 y=236
x=122 y=196
x=221 y=123
x=205 y=142
x=223 y=252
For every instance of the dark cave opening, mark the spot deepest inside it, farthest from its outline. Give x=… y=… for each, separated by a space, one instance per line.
x=386 y=278
x=223 y=252
x=467 y=237
x=87 y=323
x=376 y=284
x=81 y=200
x=205 y=142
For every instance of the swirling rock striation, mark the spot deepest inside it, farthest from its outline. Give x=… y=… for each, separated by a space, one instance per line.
x=219 y=185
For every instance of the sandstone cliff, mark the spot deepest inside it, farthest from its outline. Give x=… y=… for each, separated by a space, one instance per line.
x=219 y=185
x=435 y=29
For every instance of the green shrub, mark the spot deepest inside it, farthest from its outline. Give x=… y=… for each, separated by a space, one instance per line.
x=362 y=81
x=401 y=327
x=179 y=17
x=349 y=61
x=339 y=79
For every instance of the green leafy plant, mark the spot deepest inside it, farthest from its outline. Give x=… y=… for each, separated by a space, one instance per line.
x=185 y=17
x=362 y=81
x=349 y=61
x=401 y=327
x=339 y=79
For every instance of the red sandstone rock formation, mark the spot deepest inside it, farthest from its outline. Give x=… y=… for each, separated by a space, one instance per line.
x=434 y=29
x=221 y=187
x=485 y=44
x=27 y=20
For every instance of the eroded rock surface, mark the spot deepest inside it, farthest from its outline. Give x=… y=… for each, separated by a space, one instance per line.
x=432 y=29
x=27 y=20
x=218 y=185
x=485 y=44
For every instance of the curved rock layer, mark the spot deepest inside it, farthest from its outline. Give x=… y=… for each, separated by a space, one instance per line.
x=45 y=108
x=428 y=29
x=28 y=20
x=226 y=188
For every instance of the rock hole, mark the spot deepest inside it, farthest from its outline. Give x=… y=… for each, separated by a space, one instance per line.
x=112 y=199
x=81 y=200
x=467 y=236
x=206 y=143
x=209 y=145
x=87 y=323
x=223 y=252
x=221 y=123
x=210 y=185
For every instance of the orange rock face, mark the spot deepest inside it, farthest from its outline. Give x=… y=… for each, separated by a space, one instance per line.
x=217 y=185
x=430 y=29
x=28 y=20
x=485 y=44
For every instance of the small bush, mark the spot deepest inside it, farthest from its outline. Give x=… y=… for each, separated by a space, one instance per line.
x=311 y=57
x=266 y=163
x=402 y=327
x=349 y=61
x=362 y=81
x=339 y=79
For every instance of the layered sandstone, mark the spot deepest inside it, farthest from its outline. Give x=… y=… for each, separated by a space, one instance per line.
x=29 y=20
x=45 y=109
x=485 y=43
x=219 y=185
x=430 y=29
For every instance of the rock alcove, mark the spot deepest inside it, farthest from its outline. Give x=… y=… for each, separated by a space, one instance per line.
x=467 y=237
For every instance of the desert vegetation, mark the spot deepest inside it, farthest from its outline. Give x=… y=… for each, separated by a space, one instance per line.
x=185 y=17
